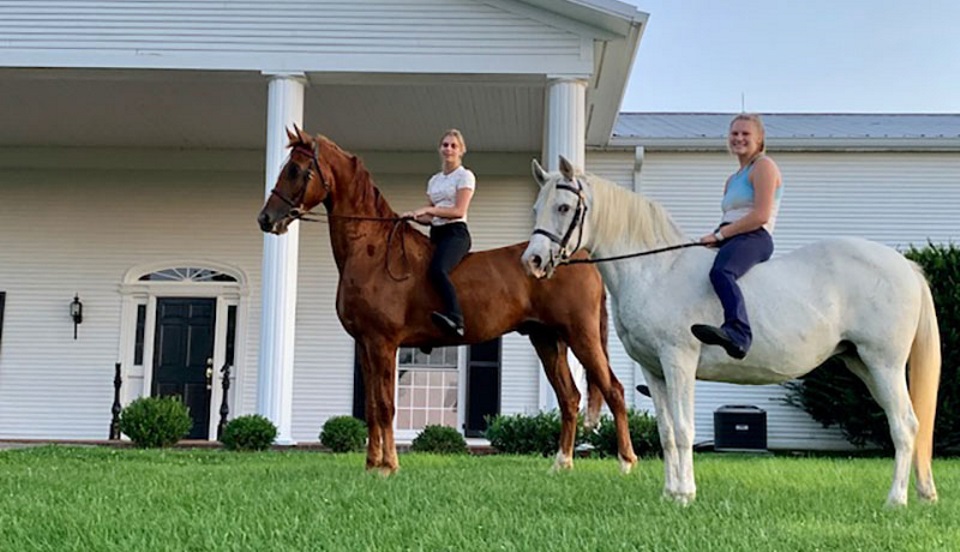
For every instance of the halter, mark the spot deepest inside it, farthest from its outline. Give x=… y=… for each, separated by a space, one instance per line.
x=578 y=216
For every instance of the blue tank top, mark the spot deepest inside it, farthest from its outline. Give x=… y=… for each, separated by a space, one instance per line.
x=738 y=200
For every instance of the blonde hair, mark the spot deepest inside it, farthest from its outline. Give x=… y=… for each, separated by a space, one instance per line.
x=459 y=137
x=758 y=123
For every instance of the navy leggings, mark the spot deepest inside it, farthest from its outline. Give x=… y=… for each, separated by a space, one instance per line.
x=452 y=243
x=737 y=255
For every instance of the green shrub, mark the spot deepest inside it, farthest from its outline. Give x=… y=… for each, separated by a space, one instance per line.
x=537 y=434
x=833 y=396
x=253 y=432
x=643 y=434
x=153 y=422
x=439 y=439
x=344 y=434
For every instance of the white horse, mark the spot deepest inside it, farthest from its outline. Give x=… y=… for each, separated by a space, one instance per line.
x=846 y=297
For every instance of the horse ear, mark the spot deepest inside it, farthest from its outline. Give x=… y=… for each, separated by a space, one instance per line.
x=292 y=134
x=566 y=168
x=538 y=173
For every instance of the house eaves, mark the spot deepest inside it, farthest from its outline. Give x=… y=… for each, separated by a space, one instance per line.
x=613 y=57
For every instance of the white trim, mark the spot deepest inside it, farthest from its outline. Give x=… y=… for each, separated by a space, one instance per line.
x=463 y=352
x=342 y=62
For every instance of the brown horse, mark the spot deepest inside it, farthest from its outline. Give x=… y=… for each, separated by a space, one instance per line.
x=384 y=299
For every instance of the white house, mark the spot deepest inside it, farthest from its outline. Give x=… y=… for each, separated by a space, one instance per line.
x=139 y=139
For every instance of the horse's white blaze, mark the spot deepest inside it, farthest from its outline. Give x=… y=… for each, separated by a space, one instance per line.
x=844 y=296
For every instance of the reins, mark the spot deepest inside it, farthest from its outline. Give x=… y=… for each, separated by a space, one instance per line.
x=398 y=223
x=633 y=255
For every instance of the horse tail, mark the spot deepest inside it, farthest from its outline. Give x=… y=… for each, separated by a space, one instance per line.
x=924 y=377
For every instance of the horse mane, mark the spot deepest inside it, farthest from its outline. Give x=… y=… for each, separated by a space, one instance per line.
x=362 y=180
x=622 y=216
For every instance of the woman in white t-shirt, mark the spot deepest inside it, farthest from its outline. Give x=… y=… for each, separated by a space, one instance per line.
x=449 y=192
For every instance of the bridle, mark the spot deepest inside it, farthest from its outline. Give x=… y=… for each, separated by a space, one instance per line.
x=579 y=214
x=298 y=214
x=296 y=205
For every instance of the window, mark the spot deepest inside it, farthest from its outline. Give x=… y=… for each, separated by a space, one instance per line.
x=141 y=327
x=231 y=335
x=187 y=274
x=427 y=388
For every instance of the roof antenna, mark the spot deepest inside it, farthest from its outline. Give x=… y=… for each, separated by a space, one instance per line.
x=743 y=109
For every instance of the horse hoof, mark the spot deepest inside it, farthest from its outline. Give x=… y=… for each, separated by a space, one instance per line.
x=892 y=503
x=927 y=493
x=561 y=463
x=683 y=499
x=626 y=465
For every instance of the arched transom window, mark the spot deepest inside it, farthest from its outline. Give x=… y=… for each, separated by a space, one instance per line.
x=187 y=274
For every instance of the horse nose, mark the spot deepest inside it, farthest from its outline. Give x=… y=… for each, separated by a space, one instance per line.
x=536 y=261
x=264 y=222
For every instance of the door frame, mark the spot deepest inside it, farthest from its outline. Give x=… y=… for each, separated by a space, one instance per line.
x=138 y=379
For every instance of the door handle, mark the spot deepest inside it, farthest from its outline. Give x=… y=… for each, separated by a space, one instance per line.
x=209 y=374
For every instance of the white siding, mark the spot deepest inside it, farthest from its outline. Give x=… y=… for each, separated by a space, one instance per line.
x=64 y=232
x=319 y=35
x=894 y=198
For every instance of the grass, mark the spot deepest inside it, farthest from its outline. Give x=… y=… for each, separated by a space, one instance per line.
x=69 y=498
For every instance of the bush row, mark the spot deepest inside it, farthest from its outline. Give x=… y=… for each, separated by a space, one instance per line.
x=154 y=422
x=540 y=434
x=162 y=421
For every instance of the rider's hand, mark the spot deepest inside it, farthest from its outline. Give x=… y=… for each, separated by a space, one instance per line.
x=709 y=240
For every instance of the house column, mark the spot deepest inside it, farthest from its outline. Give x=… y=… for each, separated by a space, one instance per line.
x=280 y=264
x=564 y=132
x=565 y=123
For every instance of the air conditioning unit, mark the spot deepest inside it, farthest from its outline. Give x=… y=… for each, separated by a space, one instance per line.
x=739 y=428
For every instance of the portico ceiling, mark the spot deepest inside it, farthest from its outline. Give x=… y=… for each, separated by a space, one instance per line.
x=220 y=109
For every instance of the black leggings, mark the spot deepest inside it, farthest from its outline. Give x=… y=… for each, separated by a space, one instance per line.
x=452 y=243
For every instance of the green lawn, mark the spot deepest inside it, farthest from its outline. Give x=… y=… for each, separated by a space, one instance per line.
x=62 y=498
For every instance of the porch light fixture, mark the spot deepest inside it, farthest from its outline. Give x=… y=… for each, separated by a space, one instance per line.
x=76 y=313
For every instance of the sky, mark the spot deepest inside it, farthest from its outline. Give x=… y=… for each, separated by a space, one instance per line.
x=797 y=56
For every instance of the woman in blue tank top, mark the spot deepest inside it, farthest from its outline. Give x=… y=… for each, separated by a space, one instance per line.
x=751 y=200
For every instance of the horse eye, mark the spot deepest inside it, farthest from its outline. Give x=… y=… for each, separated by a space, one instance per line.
x=564 y=209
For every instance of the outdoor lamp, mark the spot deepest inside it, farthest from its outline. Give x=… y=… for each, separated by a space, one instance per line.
x=76 y=312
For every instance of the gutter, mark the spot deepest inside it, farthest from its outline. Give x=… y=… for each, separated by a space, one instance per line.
x=925 y=144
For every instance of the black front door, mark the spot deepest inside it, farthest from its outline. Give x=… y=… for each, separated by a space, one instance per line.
x=182 y=353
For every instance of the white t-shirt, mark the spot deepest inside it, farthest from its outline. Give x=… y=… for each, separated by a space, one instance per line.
x=442 y=190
